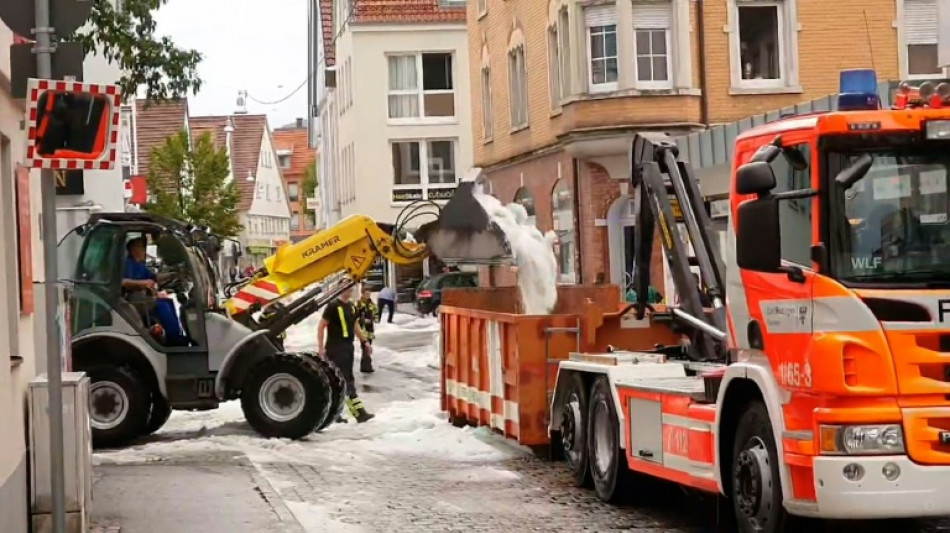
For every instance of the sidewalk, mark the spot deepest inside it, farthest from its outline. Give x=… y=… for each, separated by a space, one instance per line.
x=214 y=492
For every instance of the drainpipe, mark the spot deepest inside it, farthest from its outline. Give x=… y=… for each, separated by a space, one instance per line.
x=701 y=44
x=578 y=253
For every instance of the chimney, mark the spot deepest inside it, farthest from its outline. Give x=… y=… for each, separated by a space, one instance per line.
x=299 y=122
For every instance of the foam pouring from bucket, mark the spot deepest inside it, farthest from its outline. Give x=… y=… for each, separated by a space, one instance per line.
x=464 y=233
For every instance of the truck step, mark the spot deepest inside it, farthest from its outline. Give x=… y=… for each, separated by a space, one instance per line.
x=694 y=387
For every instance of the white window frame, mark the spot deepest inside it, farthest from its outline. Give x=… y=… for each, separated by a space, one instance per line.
x=421 y=93
x=424 y=184
x=565 y=51
x=588 y=26
x=518 y=88
x=905 y=44
x=671 y=50
x=488 y=114
x=555 y=84
x=787 y=22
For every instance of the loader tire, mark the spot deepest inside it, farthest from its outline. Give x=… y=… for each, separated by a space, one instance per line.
x=574 y=431
x=337 y=387
x=286 y=396
x=613 y=479
x=119 y=403
x=160 y=411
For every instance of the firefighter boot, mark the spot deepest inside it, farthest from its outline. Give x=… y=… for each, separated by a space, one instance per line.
x=355 y=406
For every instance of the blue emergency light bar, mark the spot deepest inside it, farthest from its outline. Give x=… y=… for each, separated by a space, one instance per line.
x=858 y=90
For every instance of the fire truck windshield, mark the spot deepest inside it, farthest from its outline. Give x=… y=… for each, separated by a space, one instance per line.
x=891 y=226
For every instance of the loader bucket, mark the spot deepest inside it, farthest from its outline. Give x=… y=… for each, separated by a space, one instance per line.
x=464 y=233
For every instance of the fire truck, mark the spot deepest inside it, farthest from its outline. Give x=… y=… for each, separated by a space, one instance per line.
x=814 y=375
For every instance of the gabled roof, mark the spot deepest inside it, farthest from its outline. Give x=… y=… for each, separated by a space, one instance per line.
x=297 y=141
x=154 y=123
x=409 y=11
x=245 y=147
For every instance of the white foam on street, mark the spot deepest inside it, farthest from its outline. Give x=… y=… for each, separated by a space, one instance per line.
x=407 y=361
x=533 y=254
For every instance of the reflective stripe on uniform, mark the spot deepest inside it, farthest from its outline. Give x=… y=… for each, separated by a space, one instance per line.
x=345 y=330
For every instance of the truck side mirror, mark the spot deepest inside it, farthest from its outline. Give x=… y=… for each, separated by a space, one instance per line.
x=755 y=177
x=758 y=237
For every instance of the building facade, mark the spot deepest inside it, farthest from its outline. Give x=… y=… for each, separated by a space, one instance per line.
x=561 y=86
x=296 y=159
x=396 y=119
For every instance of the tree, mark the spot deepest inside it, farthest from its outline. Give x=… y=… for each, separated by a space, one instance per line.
x=190 y=183
x=127 y=38
x=308 y=188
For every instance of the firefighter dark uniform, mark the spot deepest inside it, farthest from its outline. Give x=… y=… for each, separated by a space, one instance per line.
x=341 y=331
x=366 y=317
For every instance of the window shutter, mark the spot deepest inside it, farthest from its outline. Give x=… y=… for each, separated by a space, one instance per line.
x=601 y=15
x=920 y=21
x=653 y=15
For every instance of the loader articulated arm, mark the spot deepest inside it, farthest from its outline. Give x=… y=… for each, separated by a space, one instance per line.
x=348 y=249
x=661 y=183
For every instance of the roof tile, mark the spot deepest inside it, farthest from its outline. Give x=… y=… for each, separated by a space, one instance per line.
x=297 y=140
x=407 y=11
x=154 y=123
x=245 y=147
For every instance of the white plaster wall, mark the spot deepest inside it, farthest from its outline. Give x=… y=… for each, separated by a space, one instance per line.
x=366 y=124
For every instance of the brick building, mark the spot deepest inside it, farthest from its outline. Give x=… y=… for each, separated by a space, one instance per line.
x=295 y=157
x=566 y=83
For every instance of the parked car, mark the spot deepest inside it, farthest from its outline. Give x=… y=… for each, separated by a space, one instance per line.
x=429 y=290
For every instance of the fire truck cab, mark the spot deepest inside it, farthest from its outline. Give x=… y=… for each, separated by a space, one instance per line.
x=818 y=383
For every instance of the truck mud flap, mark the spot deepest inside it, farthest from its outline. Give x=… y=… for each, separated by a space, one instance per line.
x=464 y=233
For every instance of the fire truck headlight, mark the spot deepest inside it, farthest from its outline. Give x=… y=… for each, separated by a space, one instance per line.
x=938 y=130
x=876 y=439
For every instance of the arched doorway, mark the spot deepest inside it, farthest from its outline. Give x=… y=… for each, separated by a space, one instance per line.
x=620 y=239
x=524 y=197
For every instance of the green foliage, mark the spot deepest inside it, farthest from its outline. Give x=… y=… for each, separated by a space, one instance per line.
x=127 y=38
x=200 y=172
x=308 y=187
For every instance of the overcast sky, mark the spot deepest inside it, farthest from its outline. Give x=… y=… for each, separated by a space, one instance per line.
x=253 y=45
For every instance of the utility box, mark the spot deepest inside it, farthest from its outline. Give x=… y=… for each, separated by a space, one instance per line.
x=77 y=453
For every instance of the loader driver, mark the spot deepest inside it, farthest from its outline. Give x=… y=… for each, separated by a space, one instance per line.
x=338 y=327
x=136 y=278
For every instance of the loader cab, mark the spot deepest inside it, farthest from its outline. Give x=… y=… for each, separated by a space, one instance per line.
x=94 y=258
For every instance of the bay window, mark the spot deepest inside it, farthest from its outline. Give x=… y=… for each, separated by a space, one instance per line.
x=652 y=30
x=764 y=44
x=602 y=60
x=920 y=38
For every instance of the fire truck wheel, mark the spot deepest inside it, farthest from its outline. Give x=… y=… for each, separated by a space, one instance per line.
x=756 y=485
x=574 y=431
x=608 y=466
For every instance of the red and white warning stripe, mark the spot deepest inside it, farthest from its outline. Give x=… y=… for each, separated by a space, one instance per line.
x=262 y=292
x=35 y=89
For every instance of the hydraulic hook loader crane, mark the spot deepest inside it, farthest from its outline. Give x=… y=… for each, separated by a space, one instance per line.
x=817 y=384
x=140 y=373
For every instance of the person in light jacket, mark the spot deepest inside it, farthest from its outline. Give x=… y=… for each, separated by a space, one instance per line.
x=386 y=299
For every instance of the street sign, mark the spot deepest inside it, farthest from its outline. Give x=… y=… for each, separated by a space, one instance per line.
x=18 y=15
x=67 y=16
x=67 y=61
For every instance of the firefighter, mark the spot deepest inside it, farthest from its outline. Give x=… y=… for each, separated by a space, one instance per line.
x=366 y=317
x=338 y=327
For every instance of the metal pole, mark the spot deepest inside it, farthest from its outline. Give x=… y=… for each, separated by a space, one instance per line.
x=44 y=70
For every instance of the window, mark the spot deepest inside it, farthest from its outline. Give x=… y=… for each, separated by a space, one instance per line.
x=562 y=202
x=293 y=192
x=487 y=110
x=295 y=221
x=564 y=52
x=651 y=26
x=764 y=42
x=525 y=199
x=413 y=180
x=518 y=88
x=260 y=191
x=451 y=3
x=602 y=47
x=284 y=161
x=349 y=82
x=794 y=215
x=920 y=37
x=421 y=85
x=308 y=220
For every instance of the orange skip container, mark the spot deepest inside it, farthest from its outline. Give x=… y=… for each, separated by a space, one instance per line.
x=499 y=367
